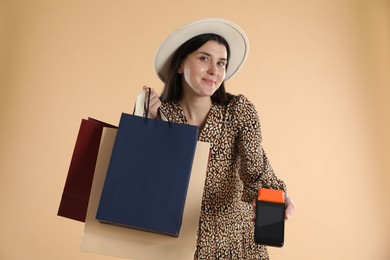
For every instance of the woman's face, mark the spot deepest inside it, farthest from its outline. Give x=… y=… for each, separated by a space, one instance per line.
x=204 y=70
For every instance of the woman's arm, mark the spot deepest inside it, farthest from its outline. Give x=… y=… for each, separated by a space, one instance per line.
x=256 y=171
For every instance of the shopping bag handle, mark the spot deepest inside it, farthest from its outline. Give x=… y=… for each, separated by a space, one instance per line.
x=141 y=107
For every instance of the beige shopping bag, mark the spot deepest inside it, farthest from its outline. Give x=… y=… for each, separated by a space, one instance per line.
x=140 y=245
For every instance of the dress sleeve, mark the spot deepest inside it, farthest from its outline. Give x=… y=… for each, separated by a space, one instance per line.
x=255 y=169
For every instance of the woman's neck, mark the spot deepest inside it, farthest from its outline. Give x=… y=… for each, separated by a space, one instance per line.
x=196 y=110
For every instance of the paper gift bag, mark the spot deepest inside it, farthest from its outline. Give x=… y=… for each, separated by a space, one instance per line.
x=134 y=244
x=148 y=175
x=77 y=188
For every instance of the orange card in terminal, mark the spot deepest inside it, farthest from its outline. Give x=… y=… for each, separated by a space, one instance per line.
x=270 y=195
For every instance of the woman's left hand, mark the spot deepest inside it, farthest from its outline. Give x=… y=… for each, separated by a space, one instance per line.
x=290 y=206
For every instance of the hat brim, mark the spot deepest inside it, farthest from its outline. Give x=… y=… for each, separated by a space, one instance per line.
x=233 y=34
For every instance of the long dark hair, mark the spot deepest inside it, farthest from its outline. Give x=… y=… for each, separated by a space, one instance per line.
x=173 y=83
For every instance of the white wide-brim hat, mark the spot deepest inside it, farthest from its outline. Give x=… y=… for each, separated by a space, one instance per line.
x=233 y=34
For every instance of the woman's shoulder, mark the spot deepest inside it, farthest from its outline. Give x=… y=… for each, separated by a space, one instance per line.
x=242 y=113
x=171 y=106
x=172 y=111
x=241 y=104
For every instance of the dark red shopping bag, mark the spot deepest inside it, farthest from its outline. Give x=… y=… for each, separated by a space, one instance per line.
x=75 y=197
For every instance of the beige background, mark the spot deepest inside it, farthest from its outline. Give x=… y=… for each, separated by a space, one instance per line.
x=318 y=73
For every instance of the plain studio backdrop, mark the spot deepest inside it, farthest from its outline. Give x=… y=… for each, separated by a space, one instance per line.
x=318 y=74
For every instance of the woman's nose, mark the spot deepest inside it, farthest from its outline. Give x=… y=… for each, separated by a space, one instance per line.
x=212 y=69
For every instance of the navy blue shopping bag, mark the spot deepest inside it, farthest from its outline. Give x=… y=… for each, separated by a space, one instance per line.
x=148 y=175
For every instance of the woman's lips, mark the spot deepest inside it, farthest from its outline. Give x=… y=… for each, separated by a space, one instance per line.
x=209 y=81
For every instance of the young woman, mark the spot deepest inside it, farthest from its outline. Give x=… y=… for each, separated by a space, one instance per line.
x=194 y=63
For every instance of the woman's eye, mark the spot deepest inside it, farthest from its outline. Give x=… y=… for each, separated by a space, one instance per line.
x=204 y=58
x=221 y=64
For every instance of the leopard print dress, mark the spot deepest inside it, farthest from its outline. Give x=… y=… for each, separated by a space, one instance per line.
x=238 y=166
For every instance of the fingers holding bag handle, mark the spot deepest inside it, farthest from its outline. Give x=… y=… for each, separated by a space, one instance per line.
x=143 y=99
x=153 y=102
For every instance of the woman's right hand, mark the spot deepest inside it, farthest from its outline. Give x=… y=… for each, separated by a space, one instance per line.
x=154 y=102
